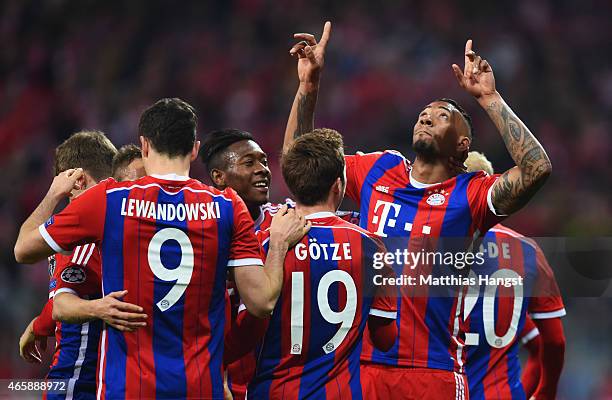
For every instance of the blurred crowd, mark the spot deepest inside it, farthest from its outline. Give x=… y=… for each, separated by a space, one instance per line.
x=66 y=66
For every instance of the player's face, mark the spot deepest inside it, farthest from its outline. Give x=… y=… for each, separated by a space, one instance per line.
x=248 y=173
x=438 y=130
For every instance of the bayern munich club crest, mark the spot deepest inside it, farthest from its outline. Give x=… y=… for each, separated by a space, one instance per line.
x=437 y=197
x=73 y=275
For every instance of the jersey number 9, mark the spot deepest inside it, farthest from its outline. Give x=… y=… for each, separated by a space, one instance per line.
x=181 y=275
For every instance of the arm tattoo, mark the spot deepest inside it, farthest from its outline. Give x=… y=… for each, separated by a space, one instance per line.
x=514 y=190
x=305 y=114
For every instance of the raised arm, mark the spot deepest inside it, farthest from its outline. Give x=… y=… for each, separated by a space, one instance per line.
x=311 y=56
x=30 y=246
x=517 y=185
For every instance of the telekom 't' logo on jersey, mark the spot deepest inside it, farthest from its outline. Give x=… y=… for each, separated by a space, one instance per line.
x=388 y=217
x=385 y=218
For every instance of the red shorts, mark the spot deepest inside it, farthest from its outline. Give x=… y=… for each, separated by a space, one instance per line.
x=385 y=382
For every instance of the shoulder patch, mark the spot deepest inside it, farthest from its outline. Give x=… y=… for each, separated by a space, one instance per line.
x=52 y=264
x=49 y=222
x=74 y=274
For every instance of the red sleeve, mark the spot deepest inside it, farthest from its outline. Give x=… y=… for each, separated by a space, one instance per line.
x=357 y=168
x=246 y=331
x=531 y=372
x=79 y=274
x=531 y=341
x=244 y=249
x=383 y=332
x=82 y=221
x=552 y=355
x=484 y=216
x=545 y=301
x=244 y=335
x=44 y=325
x=385 y=302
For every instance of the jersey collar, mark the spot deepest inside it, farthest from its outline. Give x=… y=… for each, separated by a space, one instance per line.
x=417 y=184
x=171 y=177
x=259 y=219
x=320 y=214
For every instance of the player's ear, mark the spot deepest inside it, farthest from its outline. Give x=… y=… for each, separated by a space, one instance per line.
x=338 y=185
x=81 y=182
x=195 y=151
x=144 y=147
x=463 y=147
x=218 y=178
x=338 y=191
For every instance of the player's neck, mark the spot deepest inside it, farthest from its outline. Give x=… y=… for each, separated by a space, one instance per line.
x=307 y=210
x=431 y=170
x=254 y=210
x=156 y=164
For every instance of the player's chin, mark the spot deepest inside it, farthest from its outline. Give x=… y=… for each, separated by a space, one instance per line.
x=424 y=145
x=259 y=195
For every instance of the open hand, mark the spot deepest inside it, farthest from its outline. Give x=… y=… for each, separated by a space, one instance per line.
x=477 y=76
x=123 y=316
x=288 y=226
x=310 y=54
x=65 y=182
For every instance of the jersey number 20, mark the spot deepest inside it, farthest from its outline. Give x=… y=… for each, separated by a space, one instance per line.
x=488 y=310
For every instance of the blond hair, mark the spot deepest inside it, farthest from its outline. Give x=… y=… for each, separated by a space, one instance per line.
x=478 y=162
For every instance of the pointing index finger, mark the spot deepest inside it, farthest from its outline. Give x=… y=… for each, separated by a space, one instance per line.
x=326 y=33
x=468 y=50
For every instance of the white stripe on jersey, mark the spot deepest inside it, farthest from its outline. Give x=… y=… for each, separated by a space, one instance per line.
x=101 y=366
x=530 y=335
x=52 y=243
x=82 y=255
x=65 y=290
x=75 y=254
x=547 y=315
x=165 y=191
x=79 y=362
x=382 y=313
x=91 y=250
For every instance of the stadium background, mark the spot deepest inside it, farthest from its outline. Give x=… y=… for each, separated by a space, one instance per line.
x=66 y=65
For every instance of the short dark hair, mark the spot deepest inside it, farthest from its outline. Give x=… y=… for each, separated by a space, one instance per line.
x=216 y=142
x=170 y=125
x=90 y=150
x=462 y=111
x=125 y=155
x=312 y=165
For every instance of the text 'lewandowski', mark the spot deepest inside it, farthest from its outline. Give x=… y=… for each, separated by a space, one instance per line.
x=168 y=211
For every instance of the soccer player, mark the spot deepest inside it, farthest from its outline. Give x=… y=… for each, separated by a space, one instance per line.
x=494 y=315
x=424 y=200
x=234 y=159
x=76 y=350
x=312 y=346
x=166 y=243
x=127 y=164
